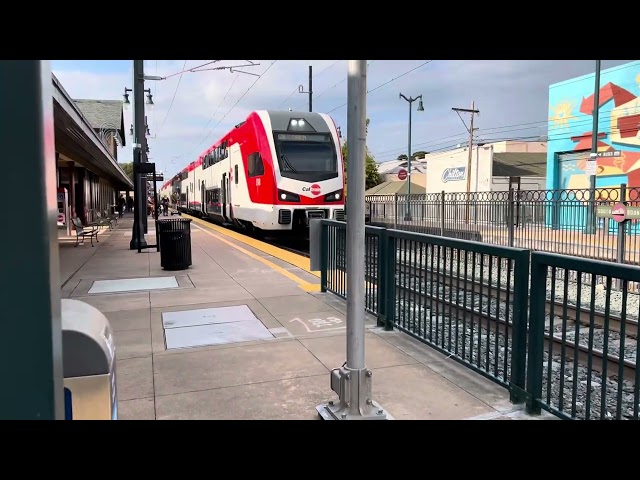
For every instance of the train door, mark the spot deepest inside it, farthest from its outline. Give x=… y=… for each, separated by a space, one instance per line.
x=223 y=196
x=203 y=199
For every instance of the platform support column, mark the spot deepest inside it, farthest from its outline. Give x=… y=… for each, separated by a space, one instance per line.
x=30 y=310
x=353 y=382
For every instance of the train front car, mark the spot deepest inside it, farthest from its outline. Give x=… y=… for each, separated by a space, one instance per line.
x=307 y=165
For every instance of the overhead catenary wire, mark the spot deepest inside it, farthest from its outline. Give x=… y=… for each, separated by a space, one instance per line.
x=386 y=83
x=238 y=101
x=215 y=112
x=173 y=99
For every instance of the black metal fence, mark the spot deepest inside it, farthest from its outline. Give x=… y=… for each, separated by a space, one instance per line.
x=556 y=221
x=478 y=304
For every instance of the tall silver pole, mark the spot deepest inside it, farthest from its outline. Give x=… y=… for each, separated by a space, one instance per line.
x=357 y=141
x=352 y=382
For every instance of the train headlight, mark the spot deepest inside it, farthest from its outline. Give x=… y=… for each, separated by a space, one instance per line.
x=333 y=196
x=288 y=196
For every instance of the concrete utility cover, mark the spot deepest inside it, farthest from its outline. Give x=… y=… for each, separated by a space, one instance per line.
x=212 y=326
x=133 y=284
x=206 y=316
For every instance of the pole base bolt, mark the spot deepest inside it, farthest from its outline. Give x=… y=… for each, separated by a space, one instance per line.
x=369 y=373
x=344 y=415
x=331 y=402
x=380 y=412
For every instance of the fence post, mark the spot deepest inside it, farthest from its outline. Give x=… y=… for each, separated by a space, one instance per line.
x=622 y=226
x=537 y=301
x=510 y=217
x=324 y=254
x=517 y=386
x=381 y=284
x=395 y=210
x=442 y=223
x=390 y=282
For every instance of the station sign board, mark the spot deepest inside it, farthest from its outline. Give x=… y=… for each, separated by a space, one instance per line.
x=618 y=212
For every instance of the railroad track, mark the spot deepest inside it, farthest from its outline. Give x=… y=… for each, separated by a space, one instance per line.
x=567 y=315
x=270 y=240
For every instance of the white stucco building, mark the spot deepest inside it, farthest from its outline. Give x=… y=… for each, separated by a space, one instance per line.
x=494 y=167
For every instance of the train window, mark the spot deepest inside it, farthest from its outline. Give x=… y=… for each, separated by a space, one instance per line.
x=235 y=173
x=256 y=166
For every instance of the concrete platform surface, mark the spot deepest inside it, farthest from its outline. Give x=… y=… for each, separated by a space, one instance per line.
x=285 y=372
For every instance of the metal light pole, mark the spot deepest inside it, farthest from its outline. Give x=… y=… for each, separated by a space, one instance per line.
x=591 y=224
x=352 y=382
x=420 y=109
x=140 y=209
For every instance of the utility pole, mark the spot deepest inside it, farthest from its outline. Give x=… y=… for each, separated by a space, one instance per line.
x=591 y=224
x=473 y=112
x=352 y=382
x=139 y=155
x=310 y=88
x=420 y=109
x=310 y=92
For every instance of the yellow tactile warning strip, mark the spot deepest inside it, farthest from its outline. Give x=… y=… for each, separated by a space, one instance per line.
x=276 y=252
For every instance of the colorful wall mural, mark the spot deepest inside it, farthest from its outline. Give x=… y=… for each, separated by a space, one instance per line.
x=571 y=105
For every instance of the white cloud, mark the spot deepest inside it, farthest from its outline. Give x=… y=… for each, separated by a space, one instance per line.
x=506 y=93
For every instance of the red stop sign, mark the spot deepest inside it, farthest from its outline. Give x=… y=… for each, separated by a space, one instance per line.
x=402 y=174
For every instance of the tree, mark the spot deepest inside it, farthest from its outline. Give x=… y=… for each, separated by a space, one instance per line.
x=371 y=168
x=128 y=169
x=418 y=154
x=403 y=156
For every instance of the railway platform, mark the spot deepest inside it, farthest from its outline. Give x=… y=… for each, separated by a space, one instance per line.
x=245 y=333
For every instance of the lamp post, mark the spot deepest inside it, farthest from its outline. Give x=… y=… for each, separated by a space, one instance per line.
x=139 y=152
x=410 y=100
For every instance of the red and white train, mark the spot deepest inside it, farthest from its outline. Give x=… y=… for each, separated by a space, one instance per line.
x=272 y=173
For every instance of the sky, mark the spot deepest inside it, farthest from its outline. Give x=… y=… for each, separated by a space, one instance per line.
x=193 y=109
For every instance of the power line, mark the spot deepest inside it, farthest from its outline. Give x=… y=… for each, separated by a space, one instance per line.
x=386 y=83
x=216 y=111
x=238 y=101
x=174 y=97
x=189 y=69
x=338 y=83
x=506 y=129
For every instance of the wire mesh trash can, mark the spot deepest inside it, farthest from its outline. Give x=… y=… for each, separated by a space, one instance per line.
x=175 y=243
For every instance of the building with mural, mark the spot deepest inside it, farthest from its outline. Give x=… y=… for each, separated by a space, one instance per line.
x=571 y=124
x=571 y=107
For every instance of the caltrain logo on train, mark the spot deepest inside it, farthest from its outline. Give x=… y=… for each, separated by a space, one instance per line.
x=314 y=189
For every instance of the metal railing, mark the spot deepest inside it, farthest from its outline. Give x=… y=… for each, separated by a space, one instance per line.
x=583 y=344
x=478 y=304
x=557 y=221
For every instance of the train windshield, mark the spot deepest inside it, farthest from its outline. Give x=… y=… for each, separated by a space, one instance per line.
x=306 y=157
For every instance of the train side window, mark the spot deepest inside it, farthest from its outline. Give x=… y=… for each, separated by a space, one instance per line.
x=235 y=173
x=256 y=166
